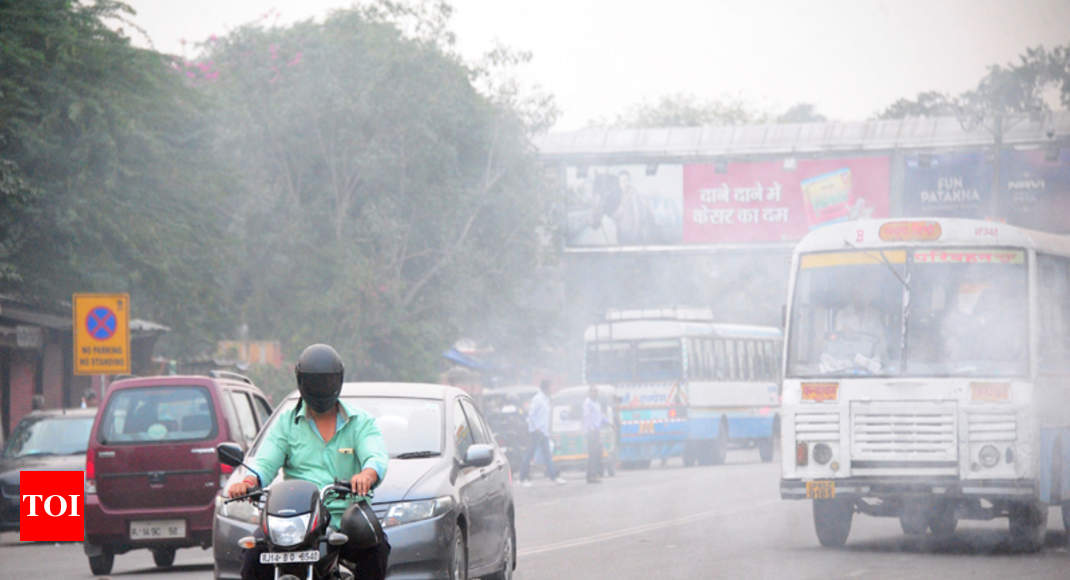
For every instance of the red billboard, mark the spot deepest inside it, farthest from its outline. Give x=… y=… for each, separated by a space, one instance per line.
x=773 y=201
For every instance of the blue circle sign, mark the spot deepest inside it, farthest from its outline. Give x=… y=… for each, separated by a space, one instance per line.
x=101 y=323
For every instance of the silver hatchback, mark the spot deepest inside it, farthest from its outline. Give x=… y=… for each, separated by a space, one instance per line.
x=446 y=503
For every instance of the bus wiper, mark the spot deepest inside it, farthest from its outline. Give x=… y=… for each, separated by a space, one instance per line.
x=417 y=454
x=884 y=260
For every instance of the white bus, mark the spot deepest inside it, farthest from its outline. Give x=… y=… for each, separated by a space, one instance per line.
x=687 y=386
x=927 y=376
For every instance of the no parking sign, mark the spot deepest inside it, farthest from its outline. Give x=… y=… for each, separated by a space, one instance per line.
x=101 y=334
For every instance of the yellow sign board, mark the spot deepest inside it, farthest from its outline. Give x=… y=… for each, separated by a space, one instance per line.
x=101 y=334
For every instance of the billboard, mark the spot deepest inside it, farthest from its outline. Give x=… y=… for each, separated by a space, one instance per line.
x=623 y=205
x=947 y=185
x=1036 y=189
x=774 y=201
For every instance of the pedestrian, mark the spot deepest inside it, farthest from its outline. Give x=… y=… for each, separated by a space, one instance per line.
x=322 y=440
x=37 y=403
x=593 y=420
x=89 y=399
x=539 y=436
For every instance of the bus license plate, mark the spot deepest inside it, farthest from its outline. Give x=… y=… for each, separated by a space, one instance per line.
x=289 y=557
x=820 y=489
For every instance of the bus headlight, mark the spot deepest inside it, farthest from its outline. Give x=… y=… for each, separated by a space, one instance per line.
x=989 y=456
x=822 y=453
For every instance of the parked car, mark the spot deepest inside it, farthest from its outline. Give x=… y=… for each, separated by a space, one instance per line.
x=566 y=426
x=151 y=469
x=446 y=503
x=50 y=440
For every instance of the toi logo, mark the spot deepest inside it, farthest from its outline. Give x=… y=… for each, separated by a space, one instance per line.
x=51 y=506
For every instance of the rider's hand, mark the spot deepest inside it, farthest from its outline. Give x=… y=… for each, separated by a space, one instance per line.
x=362 y=482
x=241 y=487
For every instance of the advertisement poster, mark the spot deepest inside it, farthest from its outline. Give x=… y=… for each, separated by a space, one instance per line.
x=1036 y=189
x=774 y=201
x=624 y=205
x=947 y=185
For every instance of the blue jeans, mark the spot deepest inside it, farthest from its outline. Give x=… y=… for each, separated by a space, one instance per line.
x=538 y=444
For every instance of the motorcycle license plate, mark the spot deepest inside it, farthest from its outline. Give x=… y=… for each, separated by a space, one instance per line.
x=290 y=557
x=820 y=489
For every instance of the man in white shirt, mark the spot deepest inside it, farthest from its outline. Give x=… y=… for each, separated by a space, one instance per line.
x=539 y=432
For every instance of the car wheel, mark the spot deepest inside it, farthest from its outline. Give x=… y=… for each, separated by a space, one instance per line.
x=163 y=557
x=832 y=521
x=101 y=565
x=459 y=557
x=508 y=556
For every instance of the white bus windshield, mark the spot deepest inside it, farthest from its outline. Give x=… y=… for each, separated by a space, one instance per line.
x=621 y=361
x=949 y=312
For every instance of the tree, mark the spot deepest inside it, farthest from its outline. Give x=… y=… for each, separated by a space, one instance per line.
x=384 y=204
x=1020 y=87
x=683 y=110
x=105 y=143
x=801 y=113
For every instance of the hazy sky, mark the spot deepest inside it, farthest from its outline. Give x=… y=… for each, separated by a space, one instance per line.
x=598 y=57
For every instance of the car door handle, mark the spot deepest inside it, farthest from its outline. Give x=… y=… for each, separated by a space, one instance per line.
x=202 y=450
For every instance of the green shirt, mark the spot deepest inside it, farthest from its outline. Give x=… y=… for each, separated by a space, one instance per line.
x=295 y=445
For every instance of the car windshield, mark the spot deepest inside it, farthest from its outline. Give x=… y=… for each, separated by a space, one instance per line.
x=924 y=312
x=49 y=436
x=158 y=414
x=409 y=425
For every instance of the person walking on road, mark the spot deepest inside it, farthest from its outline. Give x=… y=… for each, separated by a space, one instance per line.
x=593 y=420
x=539 y=436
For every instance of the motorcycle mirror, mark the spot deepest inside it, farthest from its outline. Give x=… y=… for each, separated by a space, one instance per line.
x=229 y=454
x=337 y=539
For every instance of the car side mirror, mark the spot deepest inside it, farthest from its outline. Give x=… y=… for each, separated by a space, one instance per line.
x=479 y=455
x=230 y=454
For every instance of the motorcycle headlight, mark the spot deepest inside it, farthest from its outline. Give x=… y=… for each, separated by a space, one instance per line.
x=288 y=531
x=413 y=511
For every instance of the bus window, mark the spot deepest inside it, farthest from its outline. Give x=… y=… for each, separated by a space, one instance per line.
x=730 y=355
x=609 y=362
x=1054 y=303
x=720 y=362
x=658 y=360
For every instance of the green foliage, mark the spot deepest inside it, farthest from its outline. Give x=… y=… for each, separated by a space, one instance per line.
x=683 y=110
x=801 y=113
x=111 y=142
x=1020 y=87
x=384 y=205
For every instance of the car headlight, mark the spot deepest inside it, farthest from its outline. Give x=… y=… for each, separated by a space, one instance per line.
x=288 y=531
x=243 y=511
x=413 y=511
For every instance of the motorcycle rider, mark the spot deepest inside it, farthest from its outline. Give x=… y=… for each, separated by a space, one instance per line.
x=322 y=440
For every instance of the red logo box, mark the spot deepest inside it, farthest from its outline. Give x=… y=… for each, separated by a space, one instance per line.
x=51 y=506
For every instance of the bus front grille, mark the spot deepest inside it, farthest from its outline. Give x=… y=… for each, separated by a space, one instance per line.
x=903 y=438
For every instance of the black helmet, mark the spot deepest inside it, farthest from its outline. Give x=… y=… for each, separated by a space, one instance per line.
x=319 y=377
x=362 y=527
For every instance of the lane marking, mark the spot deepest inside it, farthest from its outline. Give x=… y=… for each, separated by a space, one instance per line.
x=640 y=529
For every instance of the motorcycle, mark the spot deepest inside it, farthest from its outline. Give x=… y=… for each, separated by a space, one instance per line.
x=297 y=532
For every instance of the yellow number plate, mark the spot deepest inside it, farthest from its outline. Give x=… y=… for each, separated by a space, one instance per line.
x=820 y=489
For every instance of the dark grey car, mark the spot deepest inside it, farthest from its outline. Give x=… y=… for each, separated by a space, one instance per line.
x=446 y=503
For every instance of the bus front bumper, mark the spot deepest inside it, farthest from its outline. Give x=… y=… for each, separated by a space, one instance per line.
x=904 y=486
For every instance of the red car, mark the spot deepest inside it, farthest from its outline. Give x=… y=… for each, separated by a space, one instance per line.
x=151 y=472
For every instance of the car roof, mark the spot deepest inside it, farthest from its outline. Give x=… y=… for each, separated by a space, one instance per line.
x=383 y=389
x=172 y=380
x=72 y=413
